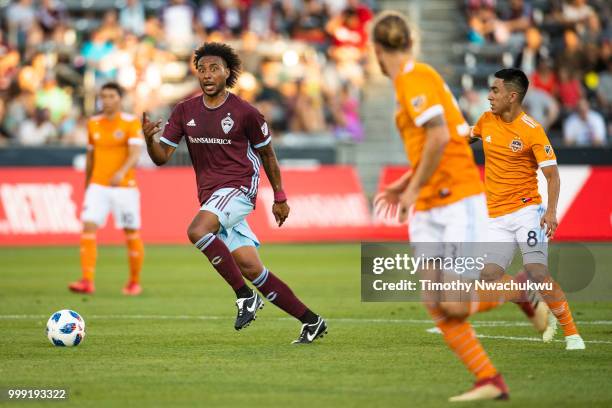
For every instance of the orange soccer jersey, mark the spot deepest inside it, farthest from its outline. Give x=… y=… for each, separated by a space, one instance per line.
x=513 y=152
x=422 y=94
x=110 y=140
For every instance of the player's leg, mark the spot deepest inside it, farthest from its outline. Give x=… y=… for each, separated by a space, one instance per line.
x=500 y=252
x=126 y=212
x=96 y=207
x=461 y=339
x=534 y=247
x=427 y=229
x=135 y=248
x=215 y=220
x=275 y=290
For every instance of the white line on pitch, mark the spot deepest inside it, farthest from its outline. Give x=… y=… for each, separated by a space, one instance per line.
x=486 y=336
x=475 y=323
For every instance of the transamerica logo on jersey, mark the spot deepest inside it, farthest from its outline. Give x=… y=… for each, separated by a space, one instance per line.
x=227 y=124
x=548 y=150
x=516 y=145
x=209 y=140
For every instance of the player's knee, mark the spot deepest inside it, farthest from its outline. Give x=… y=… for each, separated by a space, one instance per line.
x=537 y=272
x=491 y=272
x=250 y=270
x=456 y=310
x=196 y=231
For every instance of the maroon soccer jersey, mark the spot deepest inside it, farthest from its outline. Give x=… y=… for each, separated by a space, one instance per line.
x=221 y=143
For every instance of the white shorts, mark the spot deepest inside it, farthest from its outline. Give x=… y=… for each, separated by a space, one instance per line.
x=452 y=230
x=124 y=202
x=518 y=229
x=232 y=207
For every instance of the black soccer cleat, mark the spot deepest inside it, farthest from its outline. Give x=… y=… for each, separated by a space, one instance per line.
x=313 y=331
x=247 y=308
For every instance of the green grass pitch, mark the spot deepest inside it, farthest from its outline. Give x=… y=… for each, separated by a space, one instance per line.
x=175 y=345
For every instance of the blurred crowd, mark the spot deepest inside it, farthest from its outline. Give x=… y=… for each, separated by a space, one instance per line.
x=303 y=61
x=565 y=48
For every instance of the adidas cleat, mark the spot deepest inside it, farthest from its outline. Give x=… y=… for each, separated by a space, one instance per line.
x=313 y=331
x=247 y=308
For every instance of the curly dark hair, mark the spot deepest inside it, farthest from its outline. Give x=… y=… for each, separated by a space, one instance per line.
x=226 y=53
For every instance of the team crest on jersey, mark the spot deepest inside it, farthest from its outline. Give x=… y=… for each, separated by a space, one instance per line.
x=227 y=124
x=516 y=145
x=418 y=102
x=119 y=134
x=548 y=150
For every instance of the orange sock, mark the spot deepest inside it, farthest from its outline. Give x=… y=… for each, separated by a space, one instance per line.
x=557 y=303
x=135 y=255
x=89 y=253
x=489 y=299
x=461 y=338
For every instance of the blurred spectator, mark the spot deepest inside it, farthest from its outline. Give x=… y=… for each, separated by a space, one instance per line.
x=260 y=18
x=20 y=18
x=541 y=106
x=9 y=64
x=310 y=23
x=18 y=109
x=515 y=20
x=50 y=15
x=529 y=57
x=37 y=130
x=580 y=15
x=604 y=90
x=572 y=55
x=178 y=21
x=585 y=127
x=97 y=53
x=307 y=109
x=570 y=89
x=473 y=103
x=346 y=115
x=132 y=17
x=220 y=15
x=56 y=101
x=4 y=133
x=348 y=29
x=110 y=28
x=545 y=78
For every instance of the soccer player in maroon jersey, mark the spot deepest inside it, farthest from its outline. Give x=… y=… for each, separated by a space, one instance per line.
x=228 y=140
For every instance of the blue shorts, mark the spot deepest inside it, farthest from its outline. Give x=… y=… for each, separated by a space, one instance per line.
x=232 y=207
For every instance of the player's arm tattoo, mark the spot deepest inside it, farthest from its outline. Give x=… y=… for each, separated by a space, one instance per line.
x=270 y=165
x=437 y=137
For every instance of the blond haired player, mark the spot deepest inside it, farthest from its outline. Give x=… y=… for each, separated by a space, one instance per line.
x=115 y=143
x=445 y=187
x=515 y=145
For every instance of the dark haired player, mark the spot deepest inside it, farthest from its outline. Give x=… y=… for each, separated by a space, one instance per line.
x=113 y=148
x=515 y=145
x=228 y=140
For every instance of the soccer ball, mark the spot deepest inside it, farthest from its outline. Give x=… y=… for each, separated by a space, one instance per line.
x=66 y=328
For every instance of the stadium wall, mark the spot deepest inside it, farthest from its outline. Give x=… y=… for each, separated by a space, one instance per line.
x=41 y=206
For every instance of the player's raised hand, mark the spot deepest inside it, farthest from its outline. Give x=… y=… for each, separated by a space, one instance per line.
x=281 y=212
x=149 y=129
x=550 y=219
x=407 y=199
